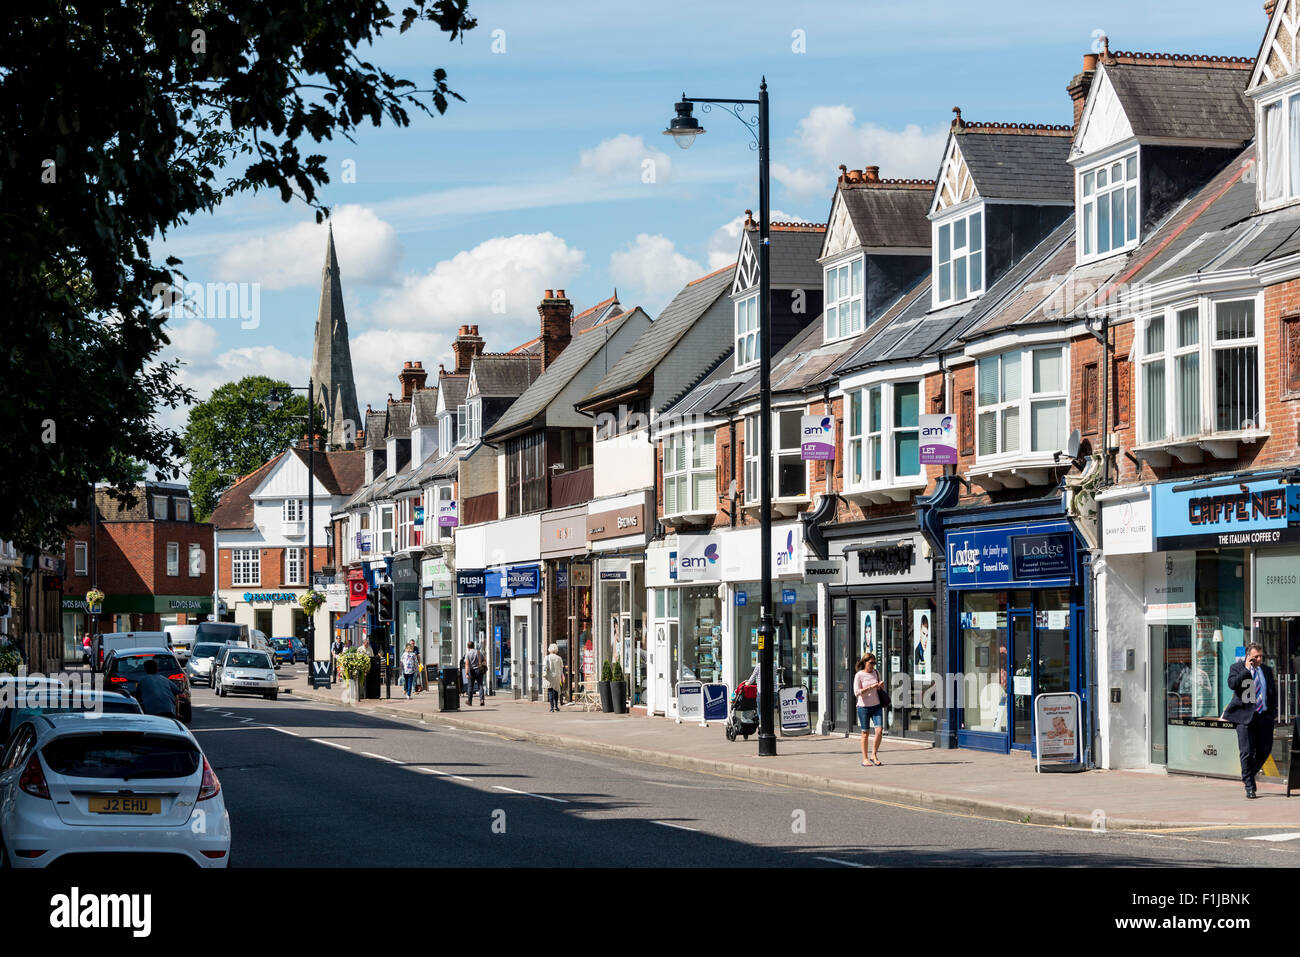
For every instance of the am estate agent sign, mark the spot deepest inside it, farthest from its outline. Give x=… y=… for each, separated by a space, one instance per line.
x=938 y=439
x=818 y=444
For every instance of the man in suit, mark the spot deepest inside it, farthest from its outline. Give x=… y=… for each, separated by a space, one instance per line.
x=1252 y=709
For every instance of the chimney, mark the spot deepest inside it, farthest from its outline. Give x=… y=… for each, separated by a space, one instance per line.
x=557 y=318
x=468 y=344
x=1081 y=84
x=1269 y=7
x=871 y=174
x=412 y=378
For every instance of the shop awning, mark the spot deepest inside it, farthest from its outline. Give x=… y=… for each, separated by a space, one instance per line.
x=352 y=617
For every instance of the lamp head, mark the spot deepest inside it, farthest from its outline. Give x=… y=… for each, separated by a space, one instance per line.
x=684 y=127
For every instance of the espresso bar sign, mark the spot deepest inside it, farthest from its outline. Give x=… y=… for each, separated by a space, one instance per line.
x=618 y=523
x=1248 y=513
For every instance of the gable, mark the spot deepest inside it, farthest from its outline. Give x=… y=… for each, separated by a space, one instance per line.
x=1278 y=55
x=746 y=265
x=955 y=183
x=288 y=479
x=840 y=234
x=471 y=389
x=1104 y=121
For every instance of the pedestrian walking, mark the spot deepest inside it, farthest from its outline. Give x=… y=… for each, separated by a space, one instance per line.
x=410 y=664
x=553 y=673
x=336 y=649
x=1253 y=710
x=156 y=692
x=867 y=685
x=475 y=670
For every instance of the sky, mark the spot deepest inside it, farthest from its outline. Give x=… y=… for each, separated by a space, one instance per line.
x=554 y=174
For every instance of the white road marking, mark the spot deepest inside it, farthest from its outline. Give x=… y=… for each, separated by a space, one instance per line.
x=679 y=827
x=1295 y=836
x=836 y=860
x=445 y=774
x=332 y=744
x=371 y=754
x=245 y=720
x=281 y=730
x=544 y=797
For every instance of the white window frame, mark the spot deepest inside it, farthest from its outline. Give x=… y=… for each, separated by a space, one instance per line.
x=778 y=455
x=844 y=285
x=182 y=510
x=173 y=559
x=81 y=558
x=1023 y=404
x=245 y=566
x=292 y=510
x=1287 y=103
x=688 y=458
x=445 y=444
x=1089 y=189
x=195 y=560
x=295 y=566
x=1208 y=344
x=160 y=512
x=747 y=323
x=386 y=529
x=971 y=256
x=462 y=424
x=870 y=454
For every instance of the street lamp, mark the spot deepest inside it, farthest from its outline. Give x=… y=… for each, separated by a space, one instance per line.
x=274 y=402
x=684 y=128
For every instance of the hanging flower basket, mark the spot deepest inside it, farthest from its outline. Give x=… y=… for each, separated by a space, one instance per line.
x=94 y=601
x=10 y=660
x=311 y=601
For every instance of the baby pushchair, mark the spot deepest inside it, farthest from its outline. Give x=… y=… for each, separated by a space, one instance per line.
x=742 y=716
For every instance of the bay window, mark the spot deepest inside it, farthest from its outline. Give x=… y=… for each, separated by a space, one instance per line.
x=843 y=313
x=1109 y=206
x=746 y=332
x=245 y=566
x=1280 y=155
x=959 y=258
x=1200 y=371
x=883 y=435
x=1021 y=403
x=690 y=474
x=789 y=471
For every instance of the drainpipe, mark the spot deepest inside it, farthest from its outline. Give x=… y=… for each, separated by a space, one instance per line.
x=731 y=486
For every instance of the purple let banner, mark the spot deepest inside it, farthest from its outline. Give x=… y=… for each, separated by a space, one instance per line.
x=818 y=443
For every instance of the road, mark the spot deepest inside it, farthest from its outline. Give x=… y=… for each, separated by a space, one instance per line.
x=310 y=784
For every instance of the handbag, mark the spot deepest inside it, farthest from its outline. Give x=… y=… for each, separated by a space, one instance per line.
x=885 y=701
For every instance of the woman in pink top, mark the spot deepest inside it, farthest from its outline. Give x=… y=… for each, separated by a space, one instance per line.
x=866 y=685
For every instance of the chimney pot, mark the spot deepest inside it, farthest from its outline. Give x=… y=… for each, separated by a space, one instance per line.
x=872 y=174
x=550 y=294
x=1089 y=62
x=559 y=294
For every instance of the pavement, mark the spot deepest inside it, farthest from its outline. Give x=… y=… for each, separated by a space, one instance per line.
x=1003 y=786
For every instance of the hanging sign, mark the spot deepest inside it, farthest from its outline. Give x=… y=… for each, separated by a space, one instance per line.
x=938 y=434
x=818 y=433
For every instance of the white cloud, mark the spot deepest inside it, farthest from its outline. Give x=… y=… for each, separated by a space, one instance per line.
x=652 y=270
x=725 y=241
x=625 y=157
x=830 y=135
x=802 y=184
x=497 y=285
x=378 y=355
x=368 y=250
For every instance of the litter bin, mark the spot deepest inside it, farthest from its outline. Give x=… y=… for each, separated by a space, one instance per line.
x=449 y=689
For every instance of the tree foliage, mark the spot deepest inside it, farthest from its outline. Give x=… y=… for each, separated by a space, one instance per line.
x=120 y=122
x=235 y=431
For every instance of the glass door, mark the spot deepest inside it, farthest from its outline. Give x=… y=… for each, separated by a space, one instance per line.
x=841 y=715
x=500 y=648
x=1022 y=679
x=896 y=659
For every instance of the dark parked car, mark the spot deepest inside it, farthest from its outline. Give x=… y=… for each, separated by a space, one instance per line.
x=289 y=649
x=122 y=673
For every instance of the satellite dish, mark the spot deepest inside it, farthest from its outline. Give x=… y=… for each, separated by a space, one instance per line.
x=1072 y=445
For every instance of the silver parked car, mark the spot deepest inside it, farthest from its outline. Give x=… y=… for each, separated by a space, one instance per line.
x=245 y=671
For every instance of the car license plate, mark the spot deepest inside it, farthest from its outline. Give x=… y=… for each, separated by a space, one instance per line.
x=125 y=805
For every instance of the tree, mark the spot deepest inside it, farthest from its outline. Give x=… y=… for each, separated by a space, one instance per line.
x=121 y=122
x=235 y=432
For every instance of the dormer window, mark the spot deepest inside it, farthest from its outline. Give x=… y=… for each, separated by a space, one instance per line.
x=843 y=315
x=747 y=331
x=959 y=258
x=1280 y=126
x=462 y=425
x=474 y=420
x=1108 y=204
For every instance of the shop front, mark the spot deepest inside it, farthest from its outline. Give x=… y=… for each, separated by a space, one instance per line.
x=795 y=611
x=1017 y=609
x=883 y=604
x=472 y=604
x=129 y=613
x=617 y=538
x=684 y=575
x=1225 y=572
x=566 y=586
x=405 y=576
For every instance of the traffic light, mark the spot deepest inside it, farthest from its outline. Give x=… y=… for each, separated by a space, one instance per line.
x=372 y=603
x=386 y=601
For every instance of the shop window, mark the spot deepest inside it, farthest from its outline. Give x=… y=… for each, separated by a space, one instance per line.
x=882 y=436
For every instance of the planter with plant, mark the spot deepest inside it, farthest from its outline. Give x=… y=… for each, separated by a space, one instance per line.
x=353 y=667
x=10 y=660
x=603 y=688
x=618 y=689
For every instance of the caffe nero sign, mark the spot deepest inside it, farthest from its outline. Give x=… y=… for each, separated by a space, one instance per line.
x=1249 y=513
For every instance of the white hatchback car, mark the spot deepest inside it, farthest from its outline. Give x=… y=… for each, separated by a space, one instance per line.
x=75 y=784
x=245 y=671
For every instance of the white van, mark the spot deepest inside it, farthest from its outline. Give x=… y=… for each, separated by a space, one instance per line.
x=180 y=638
x=101 y=645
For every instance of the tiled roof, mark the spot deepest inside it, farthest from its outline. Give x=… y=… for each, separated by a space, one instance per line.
x=792 y=252
x=505 y=376
x=1182 y=99
x=425 y=407
x=558 y=374
x=341 y=473
x=235 y=509
x=399 y=419
x=1027 y=164
x=376 y=429
x=453 y=389
x=674 y=322
x=887 y=213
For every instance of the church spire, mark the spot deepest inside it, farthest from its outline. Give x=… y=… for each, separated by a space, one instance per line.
x=331 y=360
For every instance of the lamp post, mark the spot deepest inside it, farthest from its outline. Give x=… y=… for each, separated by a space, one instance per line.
x=684 y=127
x=274 y=402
